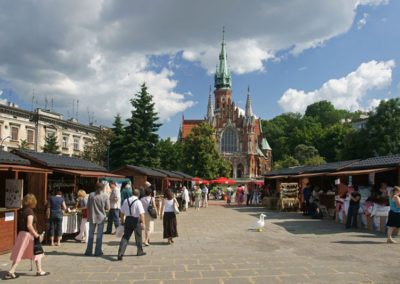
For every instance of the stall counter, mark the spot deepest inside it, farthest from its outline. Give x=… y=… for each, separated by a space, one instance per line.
x=8 y=229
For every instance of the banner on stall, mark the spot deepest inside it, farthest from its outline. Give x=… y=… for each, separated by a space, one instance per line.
x=14 y=193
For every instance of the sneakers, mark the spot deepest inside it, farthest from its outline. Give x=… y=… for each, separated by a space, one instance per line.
x=141 y=253
x=120 y=257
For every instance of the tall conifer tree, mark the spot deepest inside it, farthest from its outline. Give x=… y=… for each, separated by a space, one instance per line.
x=117 y=142
x=51 y=145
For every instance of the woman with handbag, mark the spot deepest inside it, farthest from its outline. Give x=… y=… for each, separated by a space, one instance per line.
x=81 y=204
x=150 y=213
x=28 y=244
x=169 y=207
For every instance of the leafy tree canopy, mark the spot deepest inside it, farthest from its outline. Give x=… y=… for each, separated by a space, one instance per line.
x=51 y=145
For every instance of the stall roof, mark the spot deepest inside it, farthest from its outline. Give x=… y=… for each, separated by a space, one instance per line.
x=23 y=168
x=143 y=171
x=88 y=173
x=330 y=167
x=169 y=174
x=186 y=176
x=360 y=172
x=376 y=162
x=59 y=161
x=9 y=158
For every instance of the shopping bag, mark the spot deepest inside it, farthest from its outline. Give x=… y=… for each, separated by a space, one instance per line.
x=120 y=231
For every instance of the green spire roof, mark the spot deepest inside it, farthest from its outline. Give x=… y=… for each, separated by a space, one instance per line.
x=265 y=145
x=223 y=77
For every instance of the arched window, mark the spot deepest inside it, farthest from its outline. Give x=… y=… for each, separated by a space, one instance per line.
x=229 y=141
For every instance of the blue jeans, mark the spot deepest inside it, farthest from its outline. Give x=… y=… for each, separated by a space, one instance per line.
x=113 y=216
x=99 y=239
x=56 y=219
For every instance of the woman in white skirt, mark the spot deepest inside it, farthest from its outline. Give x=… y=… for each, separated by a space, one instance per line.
x=84 y=228
x=149 y=221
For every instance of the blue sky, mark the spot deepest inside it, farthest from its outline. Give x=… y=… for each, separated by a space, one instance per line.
x=290 y=54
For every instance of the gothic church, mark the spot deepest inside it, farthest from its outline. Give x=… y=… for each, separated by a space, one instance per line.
x=238 y=133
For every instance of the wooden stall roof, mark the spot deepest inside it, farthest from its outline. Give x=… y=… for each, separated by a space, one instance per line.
x=9 y=158
x=22 y=168
x=376 y=163
x=88 y=173
x=170 y=175
x=58 y=161
x=276 y=177
x=185 y=176
x=360 y=172
x=130 y=170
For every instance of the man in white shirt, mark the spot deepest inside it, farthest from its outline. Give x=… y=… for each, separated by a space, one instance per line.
x=133 y=210
x=204 y=196
x=115 y=206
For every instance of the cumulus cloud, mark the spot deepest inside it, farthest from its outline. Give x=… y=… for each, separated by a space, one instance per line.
x=344 y=93
x=362 y=21
x=98 y=51
x=2 y=101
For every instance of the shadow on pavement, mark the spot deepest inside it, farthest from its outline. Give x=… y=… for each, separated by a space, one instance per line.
x=63 y=253
x=360 y=242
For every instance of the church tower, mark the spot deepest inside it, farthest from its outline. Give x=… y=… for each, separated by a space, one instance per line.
x=222 y=81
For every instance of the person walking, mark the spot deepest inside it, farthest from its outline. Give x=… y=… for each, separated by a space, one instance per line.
x=306 y=198
x=204 y=196
x=56 y=204
x=256 y=196
x=133 y=211
x=27 y=233
x=126 y=191
x=248 y=195
x=353 y=208
x=148 y=220
x=197 y=197
x=394 y=213
x=186 y=198
x=98 y=205
x=82 y=205
x=115 y=206
x=169 y=221
x=229 y=193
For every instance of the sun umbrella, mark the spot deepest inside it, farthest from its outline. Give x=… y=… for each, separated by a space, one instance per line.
x=223 y=180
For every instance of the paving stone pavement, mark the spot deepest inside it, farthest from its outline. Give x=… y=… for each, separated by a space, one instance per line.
x=215 y=245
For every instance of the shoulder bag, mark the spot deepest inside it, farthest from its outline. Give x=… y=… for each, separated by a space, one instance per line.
x=151 y=209
x=176 y=209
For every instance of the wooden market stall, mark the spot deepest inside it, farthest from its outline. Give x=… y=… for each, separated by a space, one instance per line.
x=187 y=179
x=139 y=176
x=68 y=175
x=17 y=178
x=173 y=180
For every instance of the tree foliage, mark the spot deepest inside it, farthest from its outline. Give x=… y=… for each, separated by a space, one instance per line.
x=117 y=144
x=201 y=157
x=170 y=155
x=51 y=145
x=96 y=150
x=24 y=145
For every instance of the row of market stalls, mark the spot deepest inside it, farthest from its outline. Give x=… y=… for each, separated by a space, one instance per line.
x=332 y=182
x=42 y=174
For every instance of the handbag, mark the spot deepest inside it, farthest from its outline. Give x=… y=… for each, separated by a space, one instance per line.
x=151 y=209
x=37 y=247
x=176 y=209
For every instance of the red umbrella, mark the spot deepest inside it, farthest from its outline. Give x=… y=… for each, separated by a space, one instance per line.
x=223 y=180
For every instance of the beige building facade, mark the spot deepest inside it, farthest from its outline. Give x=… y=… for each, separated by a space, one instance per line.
x=18 y=125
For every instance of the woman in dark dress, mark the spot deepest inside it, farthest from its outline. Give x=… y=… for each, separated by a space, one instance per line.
x=169 y=221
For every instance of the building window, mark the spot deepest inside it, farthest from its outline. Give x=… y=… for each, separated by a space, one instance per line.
x=86 y=143
x=229 y=141
x=65 y=142
x=76 y=144
x=14 y=133
x=30 y=135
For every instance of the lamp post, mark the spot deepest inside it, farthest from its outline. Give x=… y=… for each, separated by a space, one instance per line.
x=108 y=143
x=2 y=140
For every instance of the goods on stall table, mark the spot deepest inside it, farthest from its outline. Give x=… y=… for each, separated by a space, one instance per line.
x=289 y=200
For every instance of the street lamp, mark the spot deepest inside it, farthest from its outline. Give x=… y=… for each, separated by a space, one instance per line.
x=2 y=140
x=108 y=143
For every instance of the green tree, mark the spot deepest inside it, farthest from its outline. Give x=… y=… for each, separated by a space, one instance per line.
x=324 y=112
x=303 y=153
x=170 y=155
x=51 y=145
x=24 y=145
x=201 y=157
x=96 y=150
x=116 y=144
x=286 y=162
x=332 y=142
x=140 y=133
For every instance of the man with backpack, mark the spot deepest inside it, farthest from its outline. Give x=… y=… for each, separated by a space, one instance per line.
x=133 y=210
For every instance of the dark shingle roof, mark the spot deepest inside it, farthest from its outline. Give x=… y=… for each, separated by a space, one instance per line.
x=376 y=162
x=9 y=158
x=169 y=174
x=330 y=167
x=183 y=174
x=289 y=171
x=58 y=161
x=147 y=171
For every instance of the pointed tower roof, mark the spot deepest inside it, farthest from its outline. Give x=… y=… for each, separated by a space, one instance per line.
x=249 y=110
x=210 y=109
x=223 y=77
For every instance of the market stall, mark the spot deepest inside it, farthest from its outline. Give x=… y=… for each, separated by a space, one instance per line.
x=17 y=178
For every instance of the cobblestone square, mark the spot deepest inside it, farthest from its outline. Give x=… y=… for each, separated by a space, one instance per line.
x=215 y=245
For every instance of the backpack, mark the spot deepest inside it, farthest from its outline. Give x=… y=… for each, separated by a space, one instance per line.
x=151 y=209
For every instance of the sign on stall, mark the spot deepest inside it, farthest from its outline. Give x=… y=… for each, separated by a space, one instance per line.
x=9 y=216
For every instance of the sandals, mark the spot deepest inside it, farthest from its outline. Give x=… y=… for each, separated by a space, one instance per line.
x=42 y=273
x=12 y=275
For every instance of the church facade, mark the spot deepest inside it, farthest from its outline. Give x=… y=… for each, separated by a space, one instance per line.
x=238 y=133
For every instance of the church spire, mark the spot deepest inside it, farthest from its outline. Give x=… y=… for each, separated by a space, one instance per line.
x=249 y=111
x=223 y=77
x=210 y=109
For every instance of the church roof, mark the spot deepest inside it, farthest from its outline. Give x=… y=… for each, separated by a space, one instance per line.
x=223 y=78
x=187 y=125
x=265 y=144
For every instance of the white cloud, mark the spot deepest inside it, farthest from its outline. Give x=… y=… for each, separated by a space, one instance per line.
x=362 y=21
x=344 y=93
x=2 y=101
x=98 y=51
